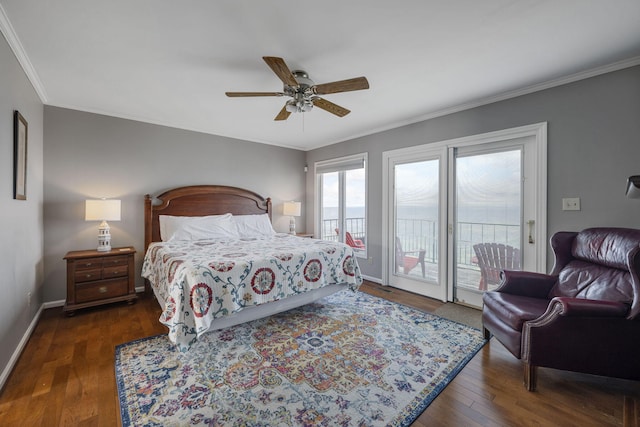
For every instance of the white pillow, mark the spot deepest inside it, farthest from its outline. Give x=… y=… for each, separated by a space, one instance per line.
x=253 y=226
x=197 y=227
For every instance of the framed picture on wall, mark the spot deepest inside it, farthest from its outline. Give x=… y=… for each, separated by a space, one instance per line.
x=20 y=128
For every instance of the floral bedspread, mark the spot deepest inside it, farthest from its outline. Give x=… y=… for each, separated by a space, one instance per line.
x=199 y=281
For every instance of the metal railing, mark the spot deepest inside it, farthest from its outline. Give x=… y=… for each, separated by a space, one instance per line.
x=418 y=234
x=471 y=233
x=357 y=227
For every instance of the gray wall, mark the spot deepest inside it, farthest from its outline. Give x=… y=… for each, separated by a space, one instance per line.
x=593 y=147
x=21 y=246
x=93 y=156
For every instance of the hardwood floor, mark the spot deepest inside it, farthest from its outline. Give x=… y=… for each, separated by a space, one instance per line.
x=65 y=377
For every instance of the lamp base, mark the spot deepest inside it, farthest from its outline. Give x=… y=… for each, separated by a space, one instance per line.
x=292 y=226
x=104 y=237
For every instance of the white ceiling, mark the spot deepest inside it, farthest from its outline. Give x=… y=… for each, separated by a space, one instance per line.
x=169 y=62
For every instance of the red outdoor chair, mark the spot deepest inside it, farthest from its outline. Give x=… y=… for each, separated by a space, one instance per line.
x=349 y=240
x=354 y=243
x=408 y=262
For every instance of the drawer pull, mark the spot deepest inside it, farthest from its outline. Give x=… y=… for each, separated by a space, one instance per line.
x=102 y=289
x=89 y=275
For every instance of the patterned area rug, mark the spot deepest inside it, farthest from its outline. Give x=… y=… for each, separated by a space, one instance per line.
x=350 y=359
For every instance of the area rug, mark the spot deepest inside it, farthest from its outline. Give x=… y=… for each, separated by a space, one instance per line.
x=350 y=359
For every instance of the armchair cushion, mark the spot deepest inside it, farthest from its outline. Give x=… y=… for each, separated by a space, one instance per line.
x=598 y=263
x=581 y=279
x=605 y=246
x=514 y=310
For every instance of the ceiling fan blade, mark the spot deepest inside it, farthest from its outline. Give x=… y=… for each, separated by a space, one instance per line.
x=331 y=107
x=283 y=114
x=282 y=71
x=357 y=83
x=243 y=94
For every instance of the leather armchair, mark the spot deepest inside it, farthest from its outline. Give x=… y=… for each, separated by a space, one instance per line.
x=583 y=317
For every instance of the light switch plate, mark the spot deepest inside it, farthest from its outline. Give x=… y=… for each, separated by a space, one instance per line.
x=571 y=204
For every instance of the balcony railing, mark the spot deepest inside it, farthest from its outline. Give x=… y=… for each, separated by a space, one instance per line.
x=356 y=226
x=417 y=234
x=471 y=233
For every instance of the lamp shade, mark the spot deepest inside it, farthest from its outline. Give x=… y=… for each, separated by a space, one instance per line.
x=633 y=187
x=291 y=208
x=102 y=210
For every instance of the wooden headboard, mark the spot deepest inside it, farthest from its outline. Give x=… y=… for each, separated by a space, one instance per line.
x=200 y=200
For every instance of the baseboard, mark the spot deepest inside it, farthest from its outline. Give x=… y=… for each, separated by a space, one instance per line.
x=372 y=279
x=53 y=304
x=18 y=351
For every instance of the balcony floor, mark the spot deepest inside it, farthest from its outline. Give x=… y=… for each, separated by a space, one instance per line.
x=468 y=278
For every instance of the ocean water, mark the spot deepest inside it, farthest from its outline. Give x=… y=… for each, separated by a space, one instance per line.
x=480 y=214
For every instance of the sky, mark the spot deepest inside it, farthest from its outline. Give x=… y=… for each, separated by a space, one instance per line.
x=488 y=186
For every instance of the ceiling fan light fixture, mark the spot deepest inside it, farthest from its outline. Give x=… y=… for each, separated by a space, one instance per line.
x=307 y=105
x=299 y=106
x=291 y=106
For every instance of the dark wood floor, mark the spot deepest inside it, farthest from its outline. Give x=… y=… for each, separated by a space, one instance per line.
x=65 y=377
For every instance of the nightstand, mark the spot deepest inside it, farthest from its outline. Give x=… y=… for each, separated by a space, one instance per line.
x=96 y=278
x=308 y=235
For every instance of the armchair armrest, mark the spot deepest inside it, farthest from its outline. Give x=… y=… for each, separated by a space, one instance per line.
x=525 y=283
x=590 y=307
x=572 y=307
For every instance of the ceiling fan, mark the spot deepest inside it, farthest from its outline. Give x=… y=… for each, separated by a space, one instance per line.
x=303 y=91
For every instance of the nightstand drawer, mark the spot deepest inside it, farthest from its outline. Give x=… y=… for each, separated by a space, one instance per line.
x=89 y=264
x=88 y=275
x=115 y=260
x=101 y=290
x=116 y=271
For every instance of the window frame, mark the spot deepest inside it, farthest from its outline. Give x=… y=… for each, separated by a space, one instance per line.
x=341 y=165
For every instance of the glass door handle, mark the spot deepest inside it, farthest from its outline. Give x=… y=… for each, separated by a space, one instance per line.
x=531 y=223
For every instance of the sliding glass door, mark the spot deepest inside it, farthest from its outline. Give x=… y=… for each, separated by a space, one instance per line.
x=488 y=217
x=416 y=225
x=459 y=211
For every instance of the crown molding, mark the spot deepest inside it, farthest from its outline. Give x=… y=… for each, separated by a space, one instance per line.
x=548 y=84
x=14 y=43
x=593 y=72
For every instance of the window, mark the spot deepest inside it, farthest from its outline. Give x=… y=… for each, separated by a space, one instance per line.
x=342 y=201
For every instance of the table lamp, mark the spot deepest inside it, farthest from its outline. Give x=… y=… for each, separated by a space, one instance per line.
x=293 y=210
x=633 y=187
x=103 y=210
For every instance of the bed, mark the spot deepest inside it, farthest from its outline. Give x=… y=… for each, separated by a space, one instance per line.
x=208 y=274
